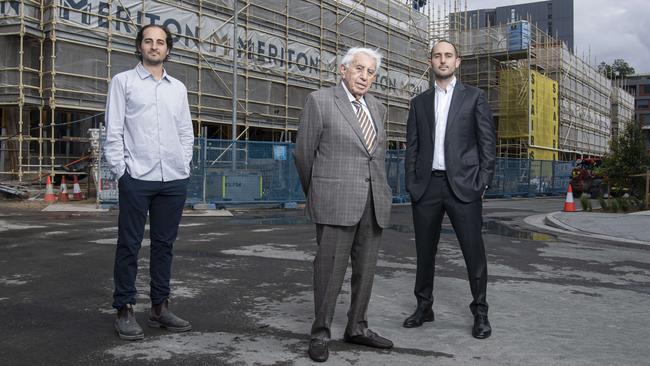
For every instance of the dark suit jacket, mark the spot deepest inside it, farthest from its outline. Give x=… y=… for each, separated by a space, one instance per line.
x=470 y=143
x=335 y=168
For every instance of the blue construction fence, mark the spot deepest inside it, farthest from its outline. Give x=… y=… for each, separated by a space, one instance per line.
x=224 y=172
x=227 y=172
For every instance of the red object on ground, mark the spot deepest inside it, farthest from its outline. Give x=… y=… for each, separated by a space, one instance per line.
x=569 y=205
x=50 y=197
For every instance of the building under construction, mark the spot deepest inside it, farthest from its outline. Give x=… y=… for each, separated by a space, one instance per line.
x=548 y=103
x=60 y=55
x=622 y=108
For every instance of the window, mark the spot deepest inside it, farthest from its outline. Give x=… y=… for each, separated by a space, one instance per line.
x=644 y=89
x=644 y=118
x=473 y=21
x=642 y=103
x=490 y=18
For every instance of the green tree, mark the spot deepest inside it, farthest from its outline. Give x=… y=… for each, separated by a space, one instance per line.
x=627 y=156
x=605 y=68
x=617 y=70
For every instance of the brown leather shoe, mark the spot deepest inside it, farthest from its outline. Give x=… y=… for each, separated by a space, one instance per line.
x=161 y=317
x=126 y=326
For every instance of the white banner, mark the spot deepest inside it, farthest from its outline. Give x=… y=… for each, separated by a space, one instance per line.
x=266 y=52
x=399 y=83
x=10 y=9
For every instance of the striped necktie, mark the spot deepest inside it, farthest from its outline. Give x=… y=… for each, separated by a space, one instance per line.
x=367 y=129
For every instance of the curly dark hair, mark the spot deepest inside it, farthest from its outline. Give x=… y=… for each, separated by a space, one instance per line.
x=168 y=39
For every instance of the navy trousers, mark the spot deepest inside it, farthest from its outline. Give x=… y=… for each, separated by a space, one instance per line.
x=164 y=202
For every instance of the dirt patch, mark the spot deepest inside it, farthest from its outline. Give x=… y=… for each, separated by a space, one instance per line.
x=22 y=204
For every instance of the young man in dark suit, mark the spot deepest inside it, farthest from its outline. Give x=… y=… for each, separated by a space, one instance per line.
x=450 y=158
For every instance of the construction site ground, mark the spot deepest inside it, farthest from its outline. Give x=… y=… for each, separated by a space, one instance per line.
x=557 y=296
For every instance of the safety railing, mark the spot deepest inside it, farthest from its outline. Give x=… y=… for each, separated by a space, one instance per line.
x=226 y=172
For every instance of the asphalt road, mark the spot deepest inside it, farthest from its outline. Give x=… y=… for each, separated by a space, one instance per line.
x=245 y=284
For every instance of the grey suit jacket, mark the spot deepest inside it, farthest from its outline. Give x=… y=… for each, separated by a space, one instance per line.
x=335 y=168
x=470 y=143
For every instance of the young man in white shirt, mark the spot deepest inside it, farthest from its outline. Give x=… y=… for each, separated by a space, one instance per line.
x=148 y=147
x=450 y=159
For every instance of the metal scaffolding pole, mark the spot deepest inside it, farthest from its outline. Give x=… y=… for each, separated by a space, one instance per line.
x=290 y=48
x=235 y=22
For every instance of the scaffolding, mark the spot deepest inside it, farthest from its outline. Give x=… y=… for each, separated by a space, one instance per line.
x=24 y=137
x=622 y=109
x=53 y=88
x=585 y=106
x=504 y=59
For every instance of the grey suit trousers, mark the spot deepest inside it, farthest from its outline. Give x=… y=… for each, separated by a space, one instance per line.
x=336 y=244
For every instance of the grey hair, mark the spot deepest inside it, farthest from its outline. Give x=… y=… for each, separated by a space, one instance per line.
x=347 y=58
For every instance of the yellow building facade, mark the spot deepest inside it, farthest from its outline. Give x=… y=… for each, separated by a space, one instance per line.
x=528 y=125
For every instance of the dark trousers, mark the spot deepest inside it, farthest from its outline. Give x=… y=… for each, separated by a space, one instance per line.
x=164 y=202
x=466 y=218
x=337 y=244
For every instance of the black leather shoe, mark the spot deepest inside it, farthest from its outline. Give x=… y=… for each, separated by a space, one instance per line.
x=370 y=339
x=420 y=316
x=482 y=328
x=318 y=350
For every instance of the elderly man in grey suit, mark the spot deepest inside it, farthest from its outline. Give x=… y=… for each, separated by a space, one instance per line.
x=340 y=154
x=450 y=157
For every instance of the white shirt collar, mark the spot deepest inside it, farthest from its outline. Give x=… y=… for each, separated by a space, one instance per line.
x=144 y=73
x=450 y=86
x=351 y=97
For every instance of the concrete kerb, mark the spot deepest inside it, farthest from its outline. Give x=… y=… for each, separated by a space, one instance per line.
x=80 y=207
x=641 y=213
x=207 y=213
x=74 y=207
x=543 y=221
x=551 y=223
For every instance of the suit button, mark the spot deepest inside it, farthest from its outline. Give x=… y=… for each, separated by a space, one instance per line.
x=370 y=158
x=367 y=179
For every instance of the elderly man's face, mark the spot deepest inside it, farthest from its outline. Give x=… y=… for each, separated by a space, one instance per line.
x=360 y=74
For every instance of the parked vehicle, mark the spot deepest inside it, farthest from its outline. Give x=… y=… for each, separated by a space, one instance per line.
x=587 y=177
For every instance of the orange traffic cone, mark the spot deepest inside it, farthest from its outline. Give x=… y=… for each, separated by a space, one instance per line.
x=63 y=191
x=49 y=192
x=569 y=205
x=76 y=190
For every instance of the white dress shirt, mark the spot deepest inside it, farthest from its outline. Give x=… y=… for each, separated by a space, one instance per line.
x=362 y=100
x=442 y=103
x=148 y=127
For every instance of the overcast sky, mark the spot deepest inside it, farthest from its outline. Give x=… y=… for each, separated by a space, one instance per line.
x=611 y=29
